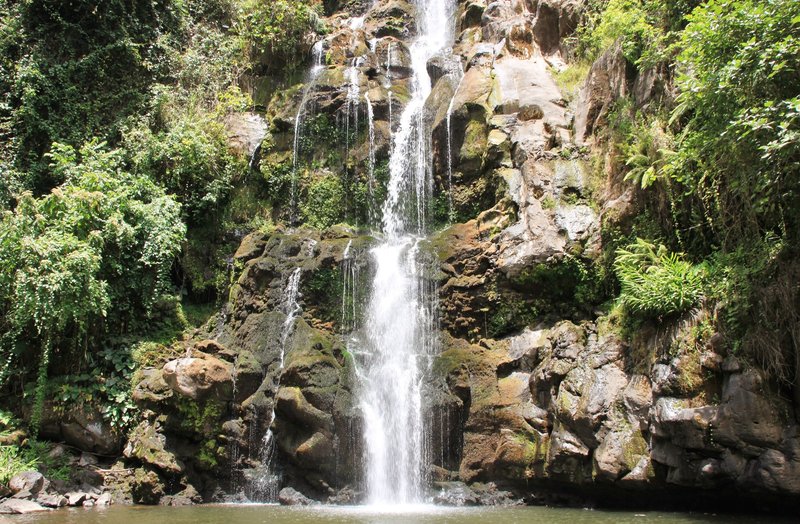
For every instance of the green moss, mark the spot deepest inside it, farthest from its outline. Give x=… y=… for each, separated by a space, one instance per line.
x=510 y=315
x=201 y=418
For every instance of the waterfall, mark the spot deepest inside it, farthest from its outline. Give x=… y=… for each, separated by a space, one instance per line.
x=371 y=161
x=313 y=74
x=399 y=333
x=266 y=484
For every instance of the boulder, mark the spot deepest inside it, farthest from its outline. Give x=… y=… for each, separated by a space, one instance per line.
x=75 y=498
x=52 y=500
x=291 y=403
x=21 y=507
x=292 y=497
x=199 y=377
x=149 y=445
x=30 y=481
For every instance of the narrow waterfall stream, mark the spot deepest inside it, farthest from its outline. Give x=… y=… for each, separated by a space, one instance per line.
x=311 y=79
x=399 y=327
x=265 y=486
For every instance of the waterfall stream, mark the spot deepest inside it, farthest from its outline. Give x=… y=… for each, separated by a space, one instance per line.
x=313 y=74
x=265 y=486
x=399 y=333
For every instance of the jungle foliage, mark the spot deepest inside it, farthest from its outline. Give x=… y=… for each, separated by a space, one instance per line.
x=716 y=165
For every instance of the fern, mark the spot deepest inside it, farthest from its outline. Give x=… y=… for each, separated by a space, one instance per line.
x=656 y=282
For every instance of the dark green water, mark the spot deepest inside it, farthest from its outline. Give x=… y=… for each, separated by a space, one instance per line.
x=257 y=514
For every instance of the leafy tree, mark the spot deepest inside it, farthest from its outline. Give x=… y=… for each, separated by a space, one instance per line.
x=739 y=80
x=98 y=248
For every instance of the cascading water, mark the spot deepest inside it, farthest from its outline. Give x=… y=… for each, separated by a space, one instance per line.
x=265 y=485
x=371 y=183
x=313 y=74
x=399 y=328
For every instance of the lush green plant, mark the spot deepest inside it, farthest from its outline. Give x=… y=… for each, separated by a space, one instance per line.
x=324 y=205
x=14 y=462
x=656 y=282
x=33 y=455
x=647 y=153
x=191 y=159
x=739 y=80
x=72 y=71
x=101 y=245
x=278 y=26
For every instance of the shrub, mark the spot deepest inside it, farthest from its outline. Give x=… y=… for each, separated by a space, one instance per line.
x=99 y=246
x=656 y=282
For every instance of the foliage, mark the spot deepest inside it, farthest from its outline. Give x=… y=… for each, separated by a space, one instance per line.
x=101 y=245
x=13 y=462
x=324 y=205
x=647 y=30
x=656 y=282
x=278 y=26
x=33 y=455
x=647 y=153
x=739 y=80
x=190 y=159
x=76 y=70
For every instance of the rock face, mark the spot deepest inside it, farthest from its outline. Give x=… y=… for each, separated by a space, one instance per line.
x=533 y=393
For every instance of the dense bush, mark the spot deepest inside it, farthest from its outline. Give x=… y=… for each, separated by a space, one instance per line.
x=101 y=245
x=278 y=28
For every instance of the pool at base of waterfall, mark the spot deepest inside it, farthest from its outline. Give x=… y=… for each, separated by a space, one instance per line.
x=273 y=514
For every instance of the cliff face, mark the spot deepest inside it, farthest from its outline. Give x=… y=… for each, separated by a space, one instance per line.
x=534 y=389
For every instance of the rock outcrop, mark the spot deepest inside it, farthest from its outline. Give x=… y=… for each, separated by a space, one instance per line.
x=534 y=396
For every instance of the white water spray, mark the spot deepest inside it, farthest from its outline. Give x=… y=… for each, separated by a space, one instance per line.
x=399 y=333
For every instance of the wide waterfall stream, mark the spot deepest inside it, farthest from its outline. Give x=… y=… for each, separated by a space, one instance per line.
x=399 y=330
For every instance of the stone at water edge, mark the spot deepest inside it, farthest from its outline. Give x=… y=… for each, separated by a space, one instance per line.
x=21 y=507
x=31 y=481
x=292 y=497
x=76 y=499
x=52 y=500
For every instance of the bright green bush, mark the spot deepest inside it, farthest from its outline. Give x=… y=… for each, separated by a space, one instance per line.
x=96 y=252
x=324 y=205
x=655 y=282
x=278 y=26
x=191 y=159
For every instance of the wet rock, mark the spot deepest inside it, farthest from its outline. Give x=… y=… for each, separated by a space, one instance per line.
x=21 y=507
x=292 y=497
x=686 y=427
x=75 y=498
x=151 y=390
x=346 y=496
x=51 y=500
x=620 y=453
x=746 y=416
x=187 y=497
x=455 y=494
x=149 y=445
x=146 y=487
x=291 y=403
x=489 y=495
